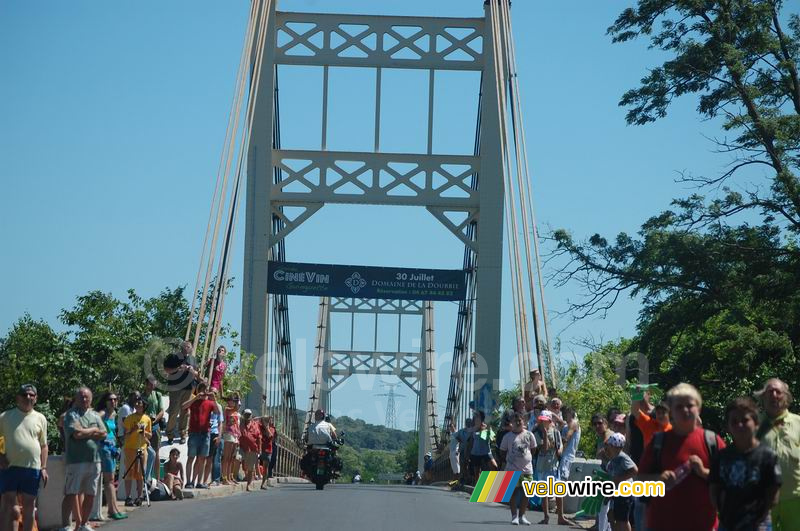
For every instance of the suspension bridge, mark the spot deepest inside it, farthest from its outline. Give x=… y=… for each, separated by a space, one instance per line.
x=484 y=199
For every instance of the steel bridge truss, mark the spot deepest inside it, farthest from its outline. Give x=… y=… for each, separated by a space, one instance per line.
x=445 y=185
x=417 y=369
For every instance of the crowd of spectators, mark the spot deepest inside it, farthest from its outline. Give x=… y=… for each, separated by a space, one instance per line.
x=119 y=442
x=751 y=483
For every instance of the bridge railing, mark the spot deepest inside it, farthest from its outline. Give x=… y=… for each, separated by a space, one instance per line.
x=287 y=462
x=442 y=471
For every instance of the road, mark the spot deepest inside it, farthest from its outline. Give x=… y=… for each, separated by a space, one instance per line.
x=338 y=507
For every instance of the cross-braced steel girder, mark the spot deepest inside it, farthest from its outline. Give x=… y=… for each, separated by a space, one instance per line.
x=446 y=185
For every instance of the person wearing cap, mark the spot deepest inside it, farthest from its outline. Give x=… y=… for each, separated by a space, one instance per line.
x=427 y=468
x=621 y=468
x=539 y=405
x=250 y=444
x=200 y=408
x=548 y=450
x=138 y=430
x=23 y=462
x=535 y=386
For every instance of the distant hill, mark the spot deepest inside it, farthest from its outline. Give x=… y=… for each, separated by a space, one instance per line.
x=359 y=434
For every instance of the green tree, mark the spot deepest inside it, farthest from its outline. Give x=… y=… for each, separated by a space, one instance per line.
x=718 y=275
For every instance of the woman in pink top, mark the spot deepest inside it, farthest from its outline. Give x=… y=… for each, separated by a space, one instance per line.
x=215 y=368
x=230 y=438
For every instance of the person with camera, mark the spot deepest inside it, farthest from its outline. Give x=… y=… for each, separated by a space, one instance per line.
x=200 y=408
x=154 y=408
x=181 y=369
x=138 y=431
x=109 y=452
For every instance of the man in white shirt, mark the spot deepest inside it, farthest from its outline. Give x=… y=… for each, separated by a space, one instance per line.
x=321 y=433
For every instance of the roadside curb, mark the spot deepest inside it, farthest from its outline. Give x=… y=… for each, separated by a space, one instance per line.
x=219 y=491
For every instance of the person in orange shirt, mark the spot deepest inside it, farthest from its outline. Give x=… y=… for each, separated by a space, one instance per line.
x=650 y=420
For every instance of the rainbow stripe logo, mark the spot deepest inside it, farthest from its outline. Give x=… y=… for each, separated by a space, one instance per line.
x=495 y=487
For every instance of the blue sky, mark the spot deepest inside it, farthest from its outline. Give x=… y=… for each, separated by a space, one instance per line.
x=114 y=115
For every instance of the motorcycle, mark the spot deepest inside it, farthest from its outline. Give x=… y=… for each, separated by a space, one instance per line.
x=323 y=465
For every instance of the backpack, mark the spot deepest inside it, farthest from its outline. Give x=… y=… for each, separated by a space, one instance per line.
x=709 y=437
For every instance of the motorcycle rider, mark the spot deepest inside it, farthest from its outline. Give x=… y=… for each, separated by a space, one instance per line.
x=321 y=435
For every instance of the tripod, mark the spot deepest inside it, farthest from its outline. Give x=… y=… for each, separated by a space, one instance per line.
x=140 y=461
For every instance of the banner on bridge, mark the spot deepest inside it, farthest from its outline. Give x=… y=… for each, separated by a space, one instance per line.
x=326 y=280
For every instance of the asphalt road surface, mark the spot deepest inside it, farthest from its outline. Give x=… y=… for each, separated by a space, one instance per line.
x=342 y=507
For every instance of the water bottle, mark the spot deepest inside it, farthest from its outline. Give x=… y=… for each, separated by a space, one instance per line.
x=680 y=474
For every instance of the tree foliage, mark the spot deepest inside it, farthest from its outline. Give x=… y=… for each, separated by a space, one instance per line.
x=108 y=344
x=718 y=273
x=372 y=437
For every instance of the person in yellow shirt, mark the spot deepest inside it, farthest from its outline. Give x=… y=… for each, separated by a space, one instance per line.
x=138 y=430
x=23 y=459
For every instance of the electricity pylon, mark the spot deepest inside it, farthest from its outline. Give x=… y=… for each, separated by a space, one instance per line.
x=391 y=418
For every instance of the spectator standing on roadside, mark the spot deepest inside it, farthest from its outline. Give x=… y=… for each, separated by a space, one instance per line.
x=780 y=430
x=154 y=408
x=517 y=406
x=621 y=468
x=83 y=432
x=274 y=459
x=681 y=459
x=230 y=438
x=181 y=369
x=464 y=439
x=571 y=437
x=650 y=420
x=535 y=386
x=548 y=450
x=217 y=374
x=23 y=465
x=199 y=408
x=109 y=452
x=745 y=477
x=138 y=431
x=644 y=421
x=539 y=405
x=214 y=461
x=517 y=446
x=66 y=505
x=124 y=410
x=452 y=444
x=481 y=457
x=600 y=425
x=250 y=443
x=267 y=438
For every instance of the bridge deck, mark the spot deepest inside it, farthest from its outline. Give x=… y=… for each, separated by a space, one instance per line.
x=344 y=506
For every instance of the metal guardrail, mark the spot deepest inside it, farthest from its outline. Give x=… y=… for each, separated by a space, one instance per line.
x=287 y=463
x=442 y=471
